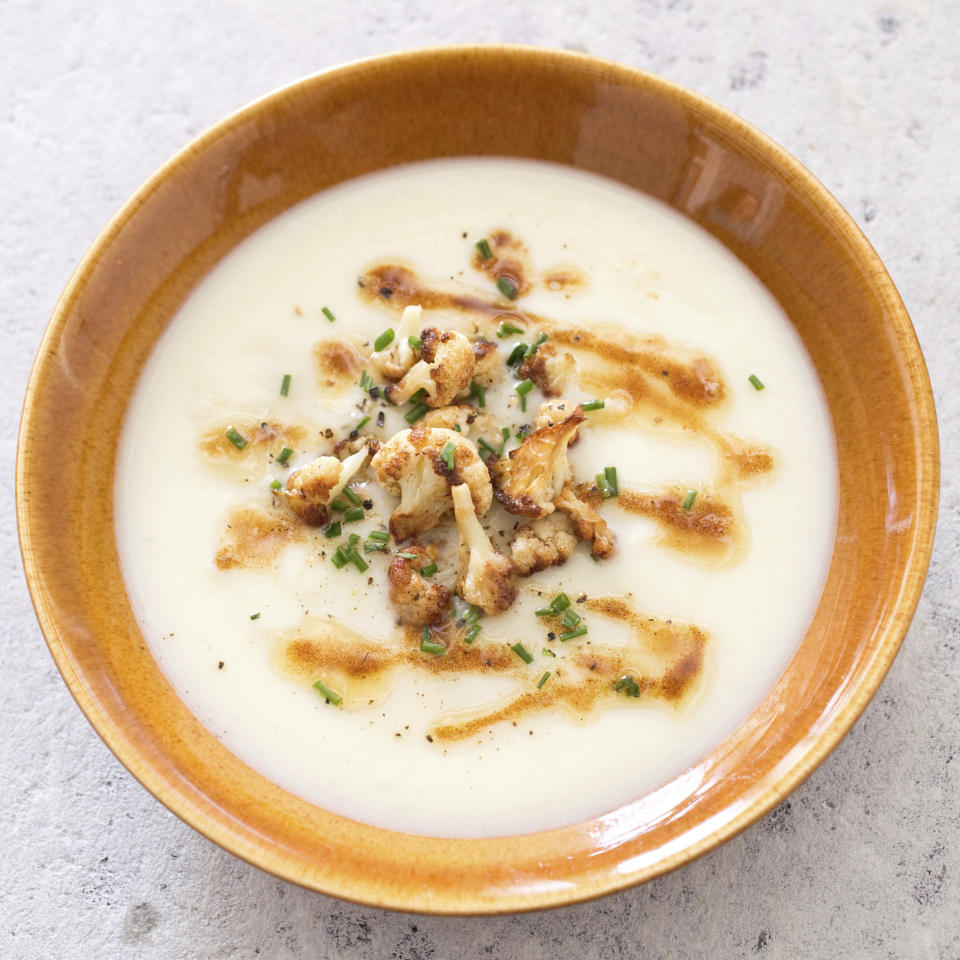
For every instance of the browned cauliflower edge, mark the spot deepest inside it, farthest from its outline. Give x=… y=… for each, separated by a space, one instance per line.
x=419 y=603
x=309 y=490
x=588 y=524
x=444 y=370
x=544 y=543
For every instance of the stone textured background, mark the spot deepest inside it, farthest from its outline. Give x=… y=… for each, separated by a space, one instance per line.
x=864 y=859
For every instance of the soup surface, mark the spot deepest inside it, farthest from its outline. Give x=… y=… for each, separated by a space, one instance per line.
x=692 y=567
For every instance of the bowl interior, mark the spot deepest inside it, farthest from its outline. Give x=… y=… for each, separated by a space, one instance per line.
x=563 y=108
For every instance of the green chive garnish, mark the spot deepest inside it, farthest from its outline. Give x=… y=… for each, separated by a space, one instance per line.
x=357 y=560
x=478 y=393
x=380 y=535
x=408 y=556
x=328 y=313
x=255 y=616
x=756 y=381
x=557 y=605
x=332 y=530
x=429 y=645
x=522 y=652
x=429 y=570
x=353 y=539
x=353 y=514
x=372 y=546
x=331 y=696
x=473 y=614
x=487 y=446
x=275 y=484
x=351 y=495
x=284 y=455
x=362 y=422
x=532 y=349
x=507 y=288
x=384 y=340
x=571 y=619
x=573 y=634
x=338 y=505
x=415 y=342
x=419 y=396
x=237 y=439
x=472 y=633
x=523 y=388
x=603 y=486
x=366 y=381
x=285 y=384
x=508 y=329
x=627 y=685
x=339 y=559
x=416 y=413
x=447 y=453
x=505 y=433
x=484 y=248
x=517 y=354
x=688 y=499
x=611 y=476
x=593 y=405
x=547 y=652
x=543 y=679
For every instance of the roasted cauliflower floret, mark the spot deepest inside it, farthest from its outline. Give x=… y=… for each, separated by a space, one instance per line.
x=549 y=369
x=464 y=416
x=309 y=490
x=484 y=575
x=530 y=479
x=393 y=362
x=588 y=524
x=488 y=365
x=545 y=543
x=419 y=603
x=413 y=465
x=553 y=411
x=444 y=370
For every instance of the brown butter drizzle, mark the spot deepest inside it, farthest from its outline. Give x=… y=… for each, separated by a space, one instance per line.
x=253 y=538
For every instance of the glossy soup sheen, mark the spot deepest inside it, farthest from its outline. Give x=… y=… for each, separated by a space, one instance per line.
x=244 y=610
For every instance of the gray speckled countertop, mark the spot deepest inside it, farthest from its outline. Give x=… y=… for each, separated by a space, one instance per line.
x=864 y=859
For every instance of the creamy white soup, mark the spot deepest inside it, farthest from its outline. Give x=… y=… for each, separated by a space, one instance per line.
x=618 y=484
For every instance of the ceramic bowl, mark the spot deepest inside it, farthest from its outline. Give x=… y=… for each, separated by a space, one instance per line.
x=597 y=116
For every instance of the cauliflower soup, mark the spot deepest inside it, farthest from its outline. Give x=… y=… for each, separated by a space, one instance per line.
x=476 y=497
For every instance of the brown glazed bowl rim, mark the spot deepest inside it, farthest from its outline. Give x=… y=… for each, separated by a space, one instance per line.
x=454 y=894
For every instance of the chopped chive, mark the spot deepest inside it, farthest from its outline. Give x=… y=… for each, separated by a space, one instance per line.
x=560 y=603
x=543 y=679
x=508 y=329
x=547 y=652
x=524 y=432
x=688 y=499
x=545 y=612
x=275 y=484
x=351 y=495
x=353 y=514
x=362 y=422
x=328 y=313
x=338 y=505
x=339 y=559
x=419 y=396
x=237 y=439
x=507 y=288
x=479 y=393
x=333 y=530
x=366 y=381
x=611 y=474
x=628 y=685
x=517 y=354
x=522 y=652
x=284 y=455
x=571 y=619
x=428 y=645
x=473 y=614
x=523 y=388
x=487 y=446
x=458 y=428
x=447 y=453
x=255 y=616
x=484 y=248
x=429 y=570
x=331 y=696
x=505 y=433
x=593 y=405
x=285 y=384
x=373 y=546
x=357 y=560
x=416 y=413
x=415 y=343
x=532 y=349
x=381 y=535
x=573 y=634
x=384 y=340
x=472 y=633
x=603 y=486
x=353 y=539
x=408 y=556
x=756 y=381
